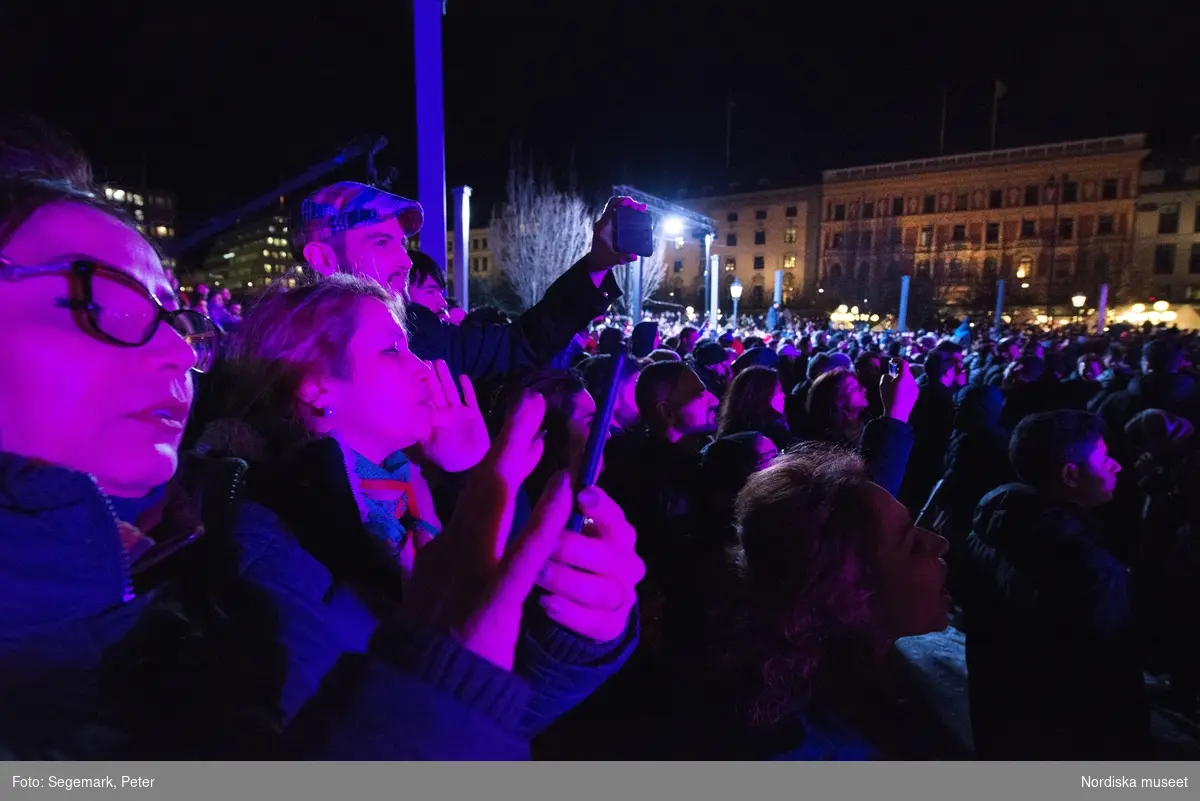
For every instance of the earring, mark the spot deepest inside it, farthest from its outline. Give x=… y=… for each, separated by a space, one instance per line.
x=326 y=412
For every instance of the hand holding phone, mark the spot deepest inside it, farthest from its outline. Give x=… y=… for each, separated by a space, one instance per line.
x=589 y=469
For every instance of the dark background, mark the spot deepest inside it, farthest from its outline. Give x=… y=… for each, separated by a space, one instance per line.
x=220 y=102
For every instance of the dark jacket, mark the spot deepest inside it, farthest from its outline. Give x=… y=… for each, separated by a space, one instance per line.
x=1054 y=668
x=492 y=352
x=350 y=587
x=174 y=654
x=976 y=461
x=932 y=421
x=885 y=446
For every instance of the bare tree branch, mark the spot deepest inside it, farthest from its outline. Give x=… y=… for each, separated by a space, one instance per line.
x=538 y=233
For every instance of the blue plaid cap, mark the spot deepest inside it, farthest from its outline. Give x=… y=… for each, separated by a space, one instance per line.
x=337 y=208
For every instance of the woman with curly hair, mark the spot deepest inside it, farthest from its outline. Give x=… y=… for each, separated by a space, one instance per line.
x=831 y=572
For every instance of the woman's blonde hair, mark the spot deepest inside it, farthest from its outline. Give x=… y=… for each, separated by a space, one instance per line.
x=289 y=335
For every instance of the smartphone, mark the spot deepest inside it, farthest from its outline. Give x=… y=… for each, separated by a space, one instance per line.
x=633 y=232
x=589 y=468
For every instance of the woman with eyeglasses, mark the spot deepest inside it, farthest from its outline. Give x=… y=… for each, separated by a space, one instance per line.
x=132 y=624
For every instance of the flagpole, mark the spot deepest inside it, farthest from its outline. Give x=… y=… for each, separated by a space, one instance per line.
x=942 y=129
x=995 y=109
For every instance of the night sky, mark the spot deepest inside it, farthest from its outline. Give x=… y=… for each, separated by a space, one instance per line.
x=219 y=104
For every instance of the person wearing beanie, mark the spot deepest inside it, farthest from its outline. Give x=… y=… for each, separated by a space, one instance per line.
x=712 y=364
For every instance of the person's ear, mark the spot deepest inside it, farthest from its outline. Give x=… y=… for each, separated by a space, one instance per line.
x=318 y=396
x=1070 y=475
x=666 y=414
x=321 y=257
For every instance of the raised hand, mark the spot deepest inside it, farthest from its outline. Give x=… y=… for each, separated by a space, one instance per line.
x=591 y=579
x=459 y=438
x=470 y=581
x=603 y=256
x=899 y=392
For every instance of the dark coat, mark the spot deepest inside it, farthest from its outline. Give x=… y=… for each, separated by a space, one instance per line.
x=486 y=352
x=1054 y=666
x=176 y=654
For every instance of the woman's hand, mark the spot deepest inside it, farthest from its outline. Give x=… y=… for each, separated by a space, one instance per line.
x=471 y=581
x=459 y=438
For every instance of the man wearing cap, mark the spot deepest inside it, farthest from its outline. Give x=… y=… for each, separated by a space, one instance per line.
x=712 y=363
x=351 y=227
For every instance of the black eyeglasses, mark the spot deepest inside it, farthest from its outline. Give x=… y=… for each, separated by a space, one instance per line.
x=113 y=307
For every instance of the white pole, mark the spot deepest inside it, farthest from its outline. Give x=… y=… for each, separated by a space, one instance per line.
x=636 y=302
x=462 y=250
x=431 y=126
x=779 y=287
x=1102 y=309
x=714 y=295
x=902 y=317
x=999 y=321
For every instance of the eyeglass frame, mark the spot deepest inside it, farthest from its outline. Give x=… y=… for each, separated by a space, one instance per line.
x=79 y=273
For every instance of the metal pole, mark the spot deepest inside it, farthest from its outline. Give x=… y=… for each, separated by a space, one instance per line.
x=998 y=322
x=637 y=286
x=733 y=322
x=462 y=229
x=708 y=240
x=779 y=287
x=431 y=126
x=1102 y=309
x=714 y=275
x=902 y=317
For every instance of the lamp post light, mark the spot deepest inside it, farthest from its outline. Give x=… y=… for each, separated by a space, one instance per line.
x=735 y=292
x=1078 y=301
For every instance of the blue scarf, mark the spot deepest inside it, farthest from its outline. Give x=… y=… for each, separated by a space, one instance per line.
x=387 y=495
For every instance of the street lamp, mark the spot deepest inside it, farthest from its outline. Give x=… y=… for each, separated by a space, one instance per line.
x=1078 y=301
x=735 y=292
x=673 y=226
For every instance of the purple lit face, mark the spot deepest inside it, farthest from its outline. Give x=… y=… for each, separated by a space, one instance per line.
x=385 y=403
x=377 y=251
x=72 y=400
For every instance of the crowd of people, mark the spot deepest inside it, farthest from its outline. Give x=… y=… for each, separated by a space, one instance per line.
x=335 y=524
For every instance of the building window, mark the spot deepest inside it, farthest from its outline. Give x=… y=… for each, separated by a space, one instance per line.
x=1196 y=220
x=1194 y=259
x=1168 y=218
x=484 y=240
x=474 y=244
x=731 y=217
x=995 y=198
x=926 y=236
x=868 y=209
x=789 y=261
x=993 y=233
x=1029 y=229
x=960 y=202
x=1066 y=228
x=839 y=239
x=960 y=233
x=1164 y=259
x=760 y=237
x=897 y=207
x=894 y=237
x=1108 y=189
x=760 y=262
x=1025 y=267
x=839 y=212
x=956 y=268
x=483 y=263
x=475 y=265
x=678 y=266
x=1104 y=225
x=1070 y=192
x=1031 y=195
x=864 y=240
x=789 y=236
x=789 y=211
x=730 y=264
x=731 y=240
x=760 y=214
x=923 y=268
x=929 y=204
